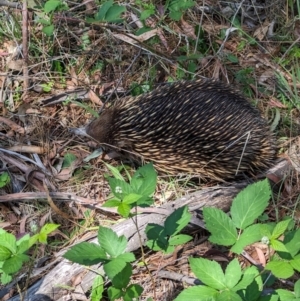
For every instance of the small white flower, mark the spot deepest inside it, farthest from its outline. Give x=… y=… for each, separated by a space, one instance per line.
x=118 y=189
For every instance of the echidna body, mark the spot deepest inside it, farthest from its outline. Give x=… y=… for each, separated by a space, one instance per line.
x=201 y=127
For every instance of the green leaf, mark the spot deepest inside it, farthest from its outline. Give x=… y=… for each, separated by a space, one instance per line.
x=119 y=188
x=114 y=293
x=146 y=14
x=14 y=264
x=228 y=295
x=131 y=198
x=127 y=257
x=23 y=244
x=220 y=226
x=69 y=159
x=249 y=275
x=48 y=228
x=280 y=228
x=292 y=242
x=4 y=253
x=86 y=254
x=124 y=210
x=110 y=242
x=114 y=12
x=100 y=16
x=250 y=203
x=297 y=289
x=278 y=246
x=156 y=237
x=112 y=203
x=5 y=278
x=177 y=220
x=280 y=269
x=197 y=293
x=114 y=171
x=285 y=295
x=51 y=5
x=133 y=291
x=209 y=272
x=144 y=180
x=48 y=30
x=180 y=239
x=8 y=241
x=118 y=268
x=295 y=262
x=4 y=179
x=233 y=273
x=97 y=288
x=250 y=235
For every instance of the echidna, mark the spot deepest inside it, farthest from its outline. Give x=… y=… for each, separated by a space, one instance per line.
x=202 y=127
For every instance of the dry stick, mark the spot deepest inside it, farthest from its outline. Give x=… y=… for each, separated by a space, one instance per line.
x=25 y=47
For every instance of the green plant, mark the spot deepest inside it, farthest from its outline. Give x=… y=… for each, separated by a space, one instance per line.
x=4 y=179
x=46 y=14
x=116 y=264
x=13 y=252
x=108 y=12
x=239 y=230
x=138 y=192
x=166 y=237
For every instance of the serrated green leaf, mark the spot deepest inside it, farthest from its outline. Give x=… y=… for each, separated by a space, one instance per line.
x=197 y=293
x=113 y=244
x=133 y=291
x=220 y=226
x=144 y=180
x=249 y=275
x=156 y=237
x=118 y=269
x=14 y=264
x=124 y=210
x=249 y=236
x=177 y=220
x=112 y=203
x=228 y=295
x=119 y=188
x=233 y=273
x=209 y=272
x=48 y=228
x=127 y=257
x=114 y=293
x=280 y=269
x=292 y=241
x=179 y=239
x=278 y=246
x=4 y=253
x=23 y=245
x=97 y=288
x=8 y=241
x=5 y=278
x=250 y=203
x=280 y=228
x=86 y=254
x=131 y=198
x=295 y=262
